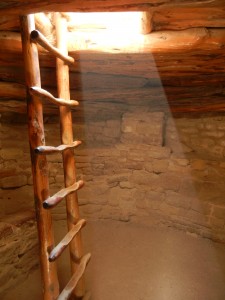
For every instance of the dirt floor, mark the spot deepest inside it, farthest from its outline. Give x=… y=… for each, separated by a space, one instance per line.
x=134 y=262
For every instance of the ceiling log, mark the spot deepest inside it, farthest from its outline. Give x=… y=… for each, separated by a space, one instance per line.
x=156 y=42
x=18 y=7
x=172 y=18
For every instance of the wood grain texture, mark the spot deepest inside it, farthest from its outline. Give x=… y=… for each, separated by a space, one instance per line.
x=184 y=81
x=16 y=7
x=66 y=128
x=67 y=291
x=193 y=39
x=58 y=250
x=45 y=95
x=39 y=163
x=58 y=197
x=39 y=38
x=45 y=150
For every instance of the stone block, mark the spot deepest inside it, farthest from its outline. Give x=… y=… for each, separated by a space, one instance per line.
x=109 y=212
x=219 y=212
x=91 y=209
x=11 y=153
x=198 y=164
x=120 y=194
x=217 y=223
x=144 y=178
x=169 y=181
x=133 y=165
x=94 y=192
x=118 y=177
x=13 y=181
x=168 y=210
x=148 y=166
x=176 y=168
x=197 y=218
x=143 y=128
x=135 y=155
x=111 y=132
x=154 y=196
x=201 y=206
x=177 y=200
x=18 y=199
x=126 y=185
x=158 y=152
x=160 y=166
x=112 y=128
x=19 y=249
x=140 y=198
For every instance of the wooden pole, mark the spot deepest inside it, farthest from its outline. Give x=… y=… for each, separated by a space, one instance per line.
x=68 y=155
x=146 y=22
x=39 y=162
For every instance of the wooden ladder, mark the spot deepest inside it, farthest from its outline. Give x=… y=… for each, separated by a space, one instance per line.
x=39 y=151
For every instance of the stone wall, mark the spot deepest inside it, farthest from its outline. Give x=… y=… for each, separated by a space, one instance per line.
x=143 y=166
x=18 y=249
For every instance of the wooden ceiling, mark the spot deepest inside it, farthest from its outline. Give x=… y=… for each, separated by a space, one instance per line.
x=184 y=52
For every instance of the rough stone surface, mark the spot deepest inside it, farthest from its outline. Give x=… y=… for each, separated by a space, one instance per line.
x=141 y=165
x=18 y=249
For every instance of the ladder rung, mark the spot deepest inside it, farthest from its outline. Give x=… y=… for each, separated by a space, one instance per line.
x=44 y=150
x=55 y=199
x=57 y=251
x=38 y=37
x=65 y=294
x=39 y=92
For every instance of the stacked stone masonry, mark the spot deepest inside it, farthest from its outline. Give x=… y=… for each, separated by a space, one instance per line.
x=143 y=166
x=18 y=249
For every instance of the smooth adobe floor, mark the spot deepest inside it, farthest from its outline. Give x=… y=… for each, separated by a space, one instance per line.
x=134 y=262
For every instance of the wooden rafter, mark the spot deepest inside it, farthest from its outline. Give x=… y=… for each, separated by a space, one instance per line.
x=13 y=7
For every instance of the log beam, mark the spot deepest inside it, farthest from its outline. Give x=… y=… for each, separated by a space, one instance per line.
x=17 y=7
x=195 y=39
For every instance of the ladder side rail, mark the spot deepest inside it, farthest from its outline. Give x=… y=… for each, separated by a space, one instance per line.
x=66 y=127
x=39 y=162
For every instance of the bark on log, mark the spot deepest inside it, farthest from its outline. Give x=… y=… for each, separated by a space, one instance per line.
x=66 y=128
x=178 y=18
x=194 y=39
x=17 y=7
x=12 y=91
x=9 y=23
x=185 y=61
x=44 y=25
x=146 y=22
x=99 y=103
x=156 y=42
x=39 y=163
